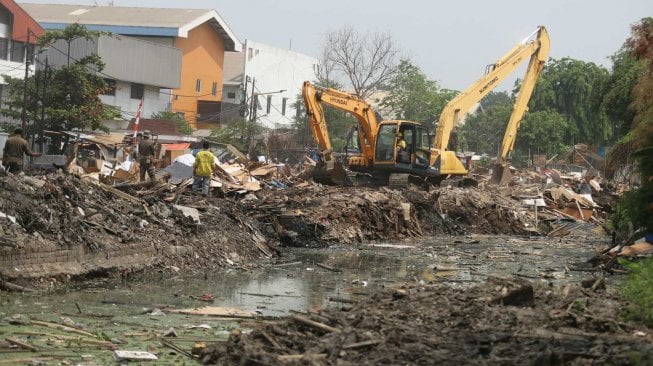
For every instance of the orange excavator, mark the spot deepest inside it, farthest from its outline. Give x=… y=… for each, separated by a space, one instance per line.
x=397 y=151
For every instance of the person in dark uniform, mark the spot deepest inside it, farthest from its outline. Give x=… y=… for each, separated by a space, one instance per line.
x=13 y=151
x=146 y=148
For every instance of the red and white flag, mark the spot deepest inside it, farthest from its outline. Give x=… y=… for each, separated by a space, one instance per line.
x=138 y=118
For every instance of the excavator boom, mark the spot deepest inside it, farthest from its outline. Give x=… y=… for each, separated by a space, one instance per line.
x=456 y=109
x=538 y=49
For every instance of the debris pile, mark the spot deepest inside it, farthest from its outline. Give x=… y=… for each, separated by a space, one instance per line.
x=316 y=215
x=502 y=321
x=84 y=226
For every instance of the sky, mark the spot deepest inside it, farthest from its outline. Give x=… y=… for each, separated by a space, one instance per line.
x=450 y=41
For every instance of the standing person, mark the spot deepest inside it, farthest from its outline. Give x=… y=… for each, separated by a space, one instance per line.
x=203 y=168
x=146 y=150
x=13 y=151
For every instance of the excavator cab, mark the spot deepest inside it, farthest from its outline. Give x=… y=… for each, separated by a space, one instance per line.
x=403 y=147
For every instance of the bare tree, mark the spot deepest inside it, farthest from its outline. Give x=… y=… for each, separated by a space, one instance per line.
x=365 y=60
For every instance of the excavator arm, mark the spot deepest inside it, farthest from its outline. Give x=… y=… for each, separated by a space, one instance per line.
x=537 y=50
x=315 y=97
x=535 y=66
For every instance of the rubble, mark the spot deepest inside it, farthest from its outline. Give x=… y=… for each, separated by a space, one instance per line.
x=75 y=226
x=502 y=321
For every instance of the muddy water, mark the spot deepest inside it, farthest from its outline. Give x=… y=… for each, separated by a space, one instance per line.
x=300 y=280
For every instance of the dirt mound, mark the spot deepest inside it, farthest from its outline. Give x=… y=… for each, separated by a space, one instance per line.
x=51 y=224
x=501 y=322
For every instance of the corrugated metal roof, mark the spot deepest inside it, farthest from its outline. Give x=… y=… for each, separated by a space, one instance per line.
x=181 y=19
x=112 y=15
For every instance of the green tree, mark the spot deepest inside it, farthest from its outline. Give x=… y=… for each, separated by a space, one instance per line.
x=641 y=135
x=483 y=130
x=618 y=92
x=574 y=89
x=182 y=124
x=541 y=133
x=411 y=96
x=72 y=100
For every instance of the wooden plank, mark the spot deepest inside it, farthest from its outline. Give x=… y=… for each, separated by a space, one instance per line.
x=216 y=311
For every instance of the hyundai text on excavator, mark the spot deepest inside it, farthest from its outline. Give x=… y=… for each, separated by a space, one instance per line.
x=387 y=161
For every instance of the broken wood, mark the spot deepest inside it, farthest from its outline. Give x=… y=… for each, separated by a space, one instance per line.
x=340 y=299
x=120 y=193
x=13 y=287
x=371 y=342
x=314 y=356
x=327 y=267
x=62 y=327
x=314 y=324
x=22 y=344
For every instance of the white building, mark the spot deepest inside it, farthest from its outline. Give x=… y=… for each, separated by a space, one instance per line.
x=272 y=82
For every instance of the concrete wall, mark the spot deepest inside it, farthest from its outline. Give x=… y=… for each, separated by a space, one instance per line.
x=154 y=100
x=277 y=69
x=127 y=59
x=203 y=58
x=134 y=60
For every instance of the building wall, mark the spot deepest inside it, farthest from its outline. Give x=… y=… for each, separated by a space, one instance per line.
x=135 y=60
x=203 y=57
x=275 y=69
x=154 y=100
x=125 y=58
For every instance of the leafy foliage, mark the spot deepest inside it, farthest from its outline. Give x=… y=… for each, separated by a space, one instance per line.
x=182 y=125
x=574 y=89
x=542 y=133
x=637 y=205
x=413 y=97
x=483 y=130
x=618 y=92
x=639 y=290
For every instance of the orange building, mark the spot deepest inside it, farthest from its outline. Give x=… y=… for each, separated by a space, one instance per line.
x=202 y=35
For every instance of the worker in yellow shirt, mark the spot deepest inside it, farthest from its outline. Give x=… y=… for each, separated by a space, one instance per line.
x=203 y=168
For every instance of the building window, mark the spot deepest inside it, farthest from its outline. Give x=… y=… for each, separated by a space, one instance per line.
x=137 y=91
x=298 y=108
x=111 y=87
x=198 y=85
x=269 y=106
x=214 y=89
x=283 y=106
x=231 y=95
x=250 y=54
x=4 y=48
x=17 y=51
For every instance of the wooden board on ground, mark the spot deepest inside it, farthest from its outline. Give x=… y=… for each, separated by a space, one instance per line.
x=216 y=311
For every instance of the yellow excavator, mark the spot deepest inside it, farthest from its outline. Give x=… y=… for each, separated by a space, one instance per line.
x=396 y=151
x=389 y=152
x=537 y=47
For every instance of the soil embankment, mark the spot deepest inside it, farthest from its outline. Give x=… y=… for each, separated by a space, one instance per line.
x=500 y=322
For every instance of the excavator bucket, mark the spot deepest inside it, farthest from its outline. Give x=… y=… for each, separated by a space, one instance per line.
x=500 y=175
x=328 y=170
x=333 y=174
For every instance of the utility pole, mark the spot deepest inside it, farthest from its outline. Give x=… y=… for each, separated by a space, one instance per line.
x=243 y=102
x=254 y=103
x=46 y=78
x=23 y=114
